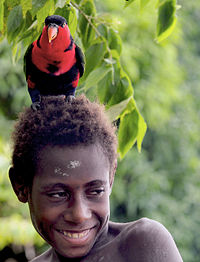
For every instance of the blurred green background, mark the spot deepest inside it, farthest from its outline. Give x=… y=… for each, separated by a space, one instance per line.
x=162 y=182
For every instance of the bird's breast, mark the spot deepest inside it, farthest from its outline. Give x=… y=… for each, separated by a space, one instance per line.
x=53 y=61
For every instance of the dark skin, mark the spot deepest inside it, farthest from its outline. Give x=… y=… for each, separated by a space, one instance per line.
x=69 y=207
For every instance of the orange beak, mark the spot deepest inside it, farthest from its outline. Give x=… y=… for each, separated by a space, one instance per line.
x=52 y=32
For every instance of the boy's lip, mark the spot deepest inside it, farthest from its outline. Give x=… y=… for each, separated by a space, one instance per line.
x=78 y=237
x=75 y=230
x=75 y=234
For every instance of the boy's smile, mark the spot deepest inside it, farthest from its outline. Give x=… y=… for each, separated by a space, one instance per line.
x=69 y=200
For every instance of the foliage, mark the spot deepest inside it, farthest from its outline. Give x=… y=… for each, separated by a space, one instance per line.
x=23 y=22
x=166 y=16
x=15 y=227
x=13 y=93
x=162 y=182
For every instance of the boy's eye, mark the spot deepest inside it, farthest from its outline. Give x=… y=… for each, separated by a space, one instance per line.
x=59 y=195
x=96 y=192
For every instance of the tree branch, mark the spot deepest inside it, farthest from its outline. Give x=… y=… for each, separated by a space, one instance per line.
x=88 y=18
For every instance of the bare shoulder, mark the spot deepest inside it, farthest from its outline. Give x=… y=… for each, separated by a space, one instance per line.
x=48 y=256
x=148 y=240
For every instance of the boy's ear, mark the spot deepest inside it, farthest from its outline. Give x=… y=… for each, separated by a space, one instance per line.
x=21 y=190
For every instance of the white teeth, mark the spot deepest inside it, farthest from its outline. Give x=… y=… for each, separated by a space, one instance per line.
x=75 y=235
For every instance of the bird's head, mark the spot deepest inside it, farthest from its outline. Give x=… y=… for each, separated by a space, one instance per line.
x=54 y=24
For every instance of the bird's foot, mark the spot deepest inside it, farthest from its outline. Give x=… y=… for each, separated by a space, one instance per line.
x=69 y=98
x=35 y=106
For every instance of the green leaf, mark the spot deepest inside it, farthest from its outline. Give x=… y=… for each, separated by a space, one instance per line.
x=1 y=14
x=166 y=19
x=103 y=30
x=61 y=3
x=69 y=13
x=94 y=56
x=65 y=11
x=46 y=10
x=128 y=129
x=11 y=3
x=26 y=5
x=114 y=41
x=88 y=7
x=86 y=29
x=105 y=88
x=14 y=23
x=113 y=92
x=96 y=75
x=132 y=128
x=37 y=5
x=72 y=21
x=28 y=21
x=159 y=2
x=16 y=53
x=128 y=2
x=143 y=3
x=114 y=111
x=29 y=33
x=142 y=128
x=122 y=88
x=77 y=1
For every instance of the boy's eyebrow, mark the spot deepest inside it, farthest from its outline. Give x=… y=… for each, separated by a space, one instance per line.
x=52 y=186
x=96 y=183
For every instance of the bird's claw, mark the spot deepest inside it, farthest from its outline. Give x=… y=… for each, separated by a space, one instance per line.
x=69 y=98
x=35 y=106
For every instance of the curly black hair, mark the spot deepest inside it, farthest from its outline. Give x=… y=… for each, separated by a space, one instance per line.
x=58 y=123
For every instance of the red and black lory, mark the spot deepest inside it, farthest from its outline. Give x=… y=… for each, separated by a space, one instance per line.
x=53 y=63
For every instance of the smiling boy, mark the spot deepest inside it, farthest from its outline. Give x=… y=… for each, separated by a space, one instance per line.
x=63 y=165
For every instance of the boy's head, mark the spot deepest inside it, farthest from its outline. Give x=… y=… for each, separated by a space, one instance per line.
x=64 y=160
x=58 y=123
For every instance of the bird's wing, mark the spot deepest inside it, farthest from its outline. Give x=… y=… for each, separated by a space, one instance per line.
x=80 y=60
x=27 y=60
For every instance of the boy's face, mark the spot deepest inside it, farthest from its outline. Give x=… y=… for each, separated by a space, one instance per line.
x=69 y=200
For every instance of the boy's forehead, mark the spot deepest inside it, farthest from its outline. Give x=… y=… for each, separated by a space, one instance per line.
x=71 y=164
x=72 y=154
x=65 y=161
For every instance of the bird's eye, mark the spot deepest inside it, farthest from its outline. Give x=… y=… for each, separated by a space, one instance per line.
x=64 y=24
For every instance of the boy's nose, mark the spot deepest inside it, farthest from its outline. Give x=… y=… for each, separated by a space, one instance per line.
x=78 y=211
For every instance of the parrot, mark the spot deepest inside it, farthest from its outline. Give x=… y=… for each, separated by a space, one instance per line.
x=53 y=63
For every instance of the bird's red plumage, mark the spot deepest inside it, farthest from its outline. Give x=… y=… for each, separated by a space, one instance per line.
x=50 y=53
x=53 y=63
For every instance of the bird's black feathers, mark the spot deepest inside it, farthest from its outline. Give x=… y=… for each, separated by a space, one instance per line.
x=80 y=60
x=52 y=83
x=55 y=19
